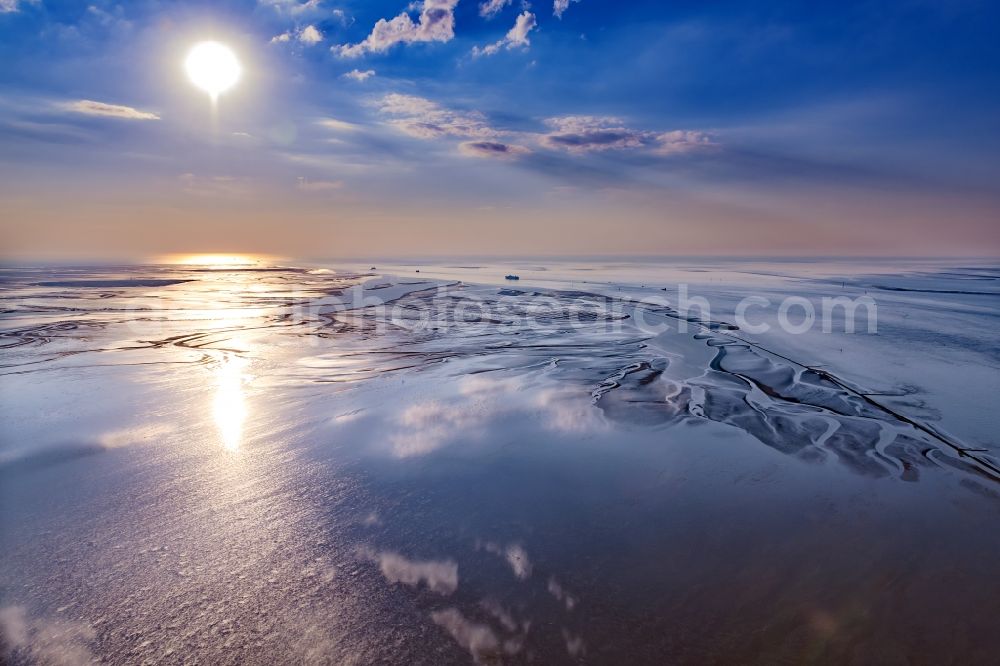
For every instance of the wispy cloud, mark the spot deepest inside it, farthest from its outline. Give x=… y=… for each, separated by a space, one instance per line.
x=306 y=185
x=560 y=6
x=358 y=75
x=492 y=149
x=337 y=125
x=7 y=6
x=591 y=133
x=92 y=108
x=578 y=135
x=436 y=23
x=682 y=141
x=516 y=37
x=48 y=132
x=585 y=134
x=490 y=8
x=223 y=187
x=425 y=119
x=293 y=7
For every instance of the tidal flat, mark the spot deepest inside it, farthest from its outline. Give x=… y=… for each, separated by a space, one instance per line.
x=427 y=463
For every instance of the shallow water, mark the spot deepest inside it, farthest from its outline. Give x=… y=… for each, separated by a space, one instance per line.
x=347 y=466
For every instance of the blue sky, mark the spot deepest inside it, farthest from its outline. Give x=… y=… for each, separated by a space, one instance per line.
x=456 y=127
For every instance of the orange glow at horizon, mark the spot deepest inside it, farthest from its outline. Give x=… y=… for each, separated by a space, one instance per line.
x=221 y=260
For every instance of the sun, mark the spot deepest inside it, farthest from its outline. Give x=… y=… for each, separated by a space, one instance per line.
x=220 y=261
x=213 y=67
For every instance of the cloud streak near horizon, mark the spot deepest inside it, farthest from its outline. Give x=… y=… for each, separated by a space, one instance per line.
x=92 y=108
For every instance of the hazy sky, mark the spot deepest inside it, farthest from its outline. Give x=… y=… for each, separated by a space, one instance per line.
x=378 y=127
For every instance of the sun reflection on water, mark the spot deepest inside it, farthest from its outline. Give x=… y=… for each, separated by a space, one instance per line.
x=230 y=408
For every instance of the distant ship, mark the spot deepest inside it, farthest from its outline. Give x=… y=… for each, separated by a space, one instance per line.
x=512 y=277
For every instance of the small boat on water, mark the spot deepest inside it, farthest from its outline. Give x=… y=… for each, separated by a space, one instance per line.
x=512 y=277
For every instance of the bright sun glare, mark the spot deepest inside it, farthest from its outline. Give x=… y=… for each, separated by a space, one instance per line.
x=213 y=67
x=230 y=404
x=218 y=260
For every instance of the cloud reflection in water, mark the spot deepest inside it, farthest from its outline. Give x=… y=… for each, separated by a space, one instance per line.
x=474 y=410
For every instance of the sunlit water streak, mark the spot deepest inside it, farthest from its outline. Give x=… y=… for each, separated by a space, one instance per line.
x=230 y=408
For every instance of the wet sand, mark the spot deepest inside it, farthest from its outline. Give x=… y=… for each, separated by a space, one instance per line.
x=256 y=466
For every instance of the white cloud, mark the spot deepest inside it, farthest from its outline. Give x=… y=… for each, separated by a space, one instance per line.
x=358 y=75
x=490 y=8
x=560 y=6
x=310 y=35
x=436 y=23
x=7 y=6
x=93 y=108
x=516 y=37
x=682 y=141
x=407 y=105
x=493 y=149
x=425 y=119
